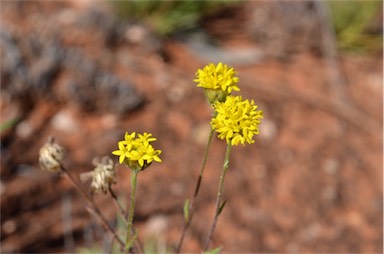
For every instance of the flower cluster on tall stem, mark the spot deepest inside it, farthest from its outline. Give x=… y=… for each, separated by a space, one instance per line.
x=218 y=81
x=235 y=120
x=137 y=153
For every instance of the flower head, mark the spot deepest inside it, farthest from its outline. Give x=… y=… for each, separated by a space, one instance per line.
x=103 y=175
x=51 y=156
x=218 y=81
x=137 y=152
x=236 y=120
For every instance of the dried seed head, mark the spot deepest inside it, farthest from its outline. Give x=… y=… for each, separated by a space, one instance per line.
x=51 y=156
x=103 y=175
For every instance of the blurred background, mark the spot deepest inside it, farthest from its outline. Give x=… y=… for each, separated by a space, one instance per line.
x=85 y=72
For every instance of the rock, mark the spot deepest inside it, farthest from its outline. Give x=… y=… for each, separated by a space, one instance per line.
x=64 y=121
x=283 y=28
x=104 y=92
x=200 y=44
x=268 y=130
x=156 y=226
x=30 y=72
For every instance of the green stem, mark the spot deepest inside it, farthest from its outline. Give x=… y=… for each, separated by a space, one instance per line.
x=203 y=165
x=122 y=212
x=129 y=240
x=219 y=196
x=192 y=207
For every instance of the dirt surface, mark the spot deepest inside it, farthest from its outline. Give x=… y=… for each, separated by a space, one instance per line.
x=311 y=183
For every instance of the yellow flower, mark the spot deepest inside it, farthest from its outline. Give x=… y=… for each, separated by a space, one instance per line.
x=145 y=138
x=128 y=138
x=137 y=153
x=122 y=152
x=237 y=120
x=218 y=81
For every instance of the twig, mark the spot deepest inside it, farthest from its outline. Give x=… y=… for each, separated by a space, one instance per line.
x=329 y=49
x=346 y=112
x=92 y=208
x=124 y=215
x=219 y=205
x=192 y=206
x=67 y=223
x=122 y=212
x=130 y=240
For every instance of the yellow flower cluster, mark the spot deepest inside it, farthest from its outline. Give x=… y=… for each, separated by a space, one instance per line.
x=137 y=152
x=236 y=120
x=218 y=81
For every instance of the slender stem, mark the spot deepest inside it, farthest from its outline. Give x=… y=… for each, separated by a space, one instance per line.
x=123 y=215
x=204 y=162
x=91 y=207
x=192 y=207
x=129 y=240
x=219 y=195
x=122 y=212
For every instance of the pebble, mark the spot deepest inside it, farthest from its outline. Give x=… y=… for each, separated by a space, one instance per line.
x=199 y=44
x=9 y=227
x=201 y=133
x=24 y=129
x=156 y=225
x=268 y=130
x=2 y=187
x=64 y=121
x=331 y=166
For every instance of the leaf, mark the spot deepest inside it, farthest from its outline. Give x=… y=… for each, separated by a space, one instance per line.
x=221 y=207
x=130 y=243
x=186 y=210
x=8 y=124
x=198 y=185
x=214 y=251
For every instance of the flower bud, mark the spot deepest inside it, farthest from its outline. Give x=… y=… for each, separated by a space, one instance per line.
x=213 y=95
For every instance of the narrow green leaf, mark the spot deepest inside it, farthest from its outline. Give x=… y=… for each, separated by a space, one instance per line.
x=8 y=124
x=198 y=185
x=130 y=243
x=214 y=251
x=186 y=210
x=221 y=207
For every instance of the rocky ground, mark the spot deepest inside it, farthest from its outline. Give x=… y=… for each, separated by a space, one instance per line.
x=312 y=182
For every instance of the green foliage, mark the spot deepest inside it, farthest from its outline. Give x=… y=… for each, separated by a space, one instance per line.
x=186 y=210
x=96 y=247
x=214 y=251
x=352 y=21
x=222 y=207
x=8 y=124
x=167 y=17
x=154 y=245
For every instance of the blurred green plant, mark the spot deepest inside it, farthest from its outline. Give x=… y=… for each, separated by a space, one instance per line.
x=355 y=26
x=153 y=245
x=8 y=124
x=89 y=250
x=167 y=17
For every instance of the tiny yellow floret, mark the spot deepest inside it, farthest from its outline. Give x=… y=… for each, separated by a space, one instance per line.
x=236 y=120
x=137 y=152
